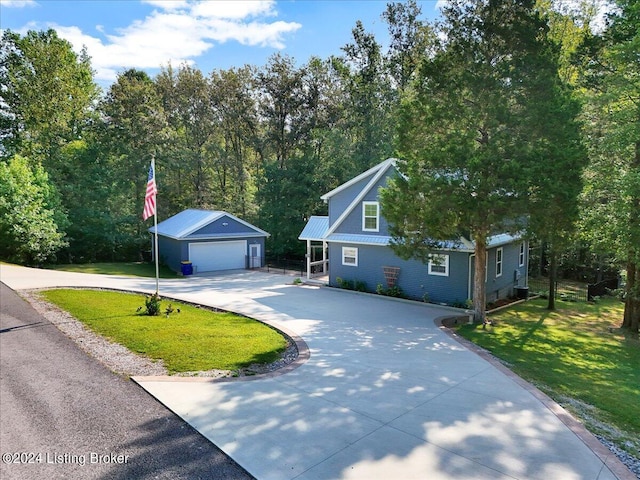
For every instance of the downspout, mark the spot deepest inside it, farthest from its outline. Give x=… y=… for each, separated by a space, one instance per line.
x=526 y=273
x=325 y=266
x=470 y=282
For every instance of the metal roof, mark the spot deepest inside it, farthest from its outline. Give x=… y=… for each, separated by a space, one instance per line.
x=380 y=240
x=502 y=239
x=315 y=229
x=189 y=221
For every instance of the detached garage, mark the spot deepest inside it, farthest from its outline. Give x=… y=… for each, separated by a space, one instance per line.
x=210 y=240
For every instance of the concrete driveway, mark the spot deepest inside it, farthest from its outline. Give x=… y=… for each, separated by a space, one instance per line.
x=385 y=393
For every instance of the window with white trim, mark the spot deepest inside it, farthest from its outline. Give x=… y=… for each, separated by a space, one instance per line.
x=439 y=265
x=521 y=255
x=370 y=216
x=350 y=256
x=499 y=262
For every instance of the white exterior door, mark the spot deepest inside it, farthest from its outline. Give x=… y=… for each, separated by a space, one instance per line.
x=254 y=256
x=214 y=256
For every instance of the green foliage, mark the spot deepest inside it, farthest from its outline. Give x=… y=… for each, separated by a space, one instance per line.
x=370 y=99
x=394 y=291
x=152 y=304
x=286 y=203
x=169 y=310
x=465 y=304
x=357 y=285
x=48 y=91
x=133 y=130
x=265 y=142
x=32 y=230
x=477 y=129
x=196 y=339
x=611 y=198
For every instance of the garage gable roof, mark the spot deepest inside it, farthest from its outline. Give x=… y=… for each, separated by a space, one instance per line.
x=187 y=222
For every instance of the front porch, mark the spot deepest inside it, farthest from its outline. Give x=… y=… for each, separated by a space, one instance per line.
x=316 y=256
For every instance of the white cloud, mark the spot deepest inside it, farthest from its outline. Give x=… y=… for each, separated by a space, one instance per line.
x=18 y=3
x=234 y=9
x=178 y=32
x=168 y=4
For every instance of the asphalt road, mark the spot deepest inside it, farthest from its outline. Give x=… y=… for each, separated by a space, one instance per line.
x=64 y=415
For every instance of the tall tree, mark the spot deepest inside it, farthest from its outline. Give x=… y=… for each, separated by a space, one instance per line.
x=235 y=110
x=569 y=24
x=557 y=180
x=282 y=101
x=48 y=93
x=370 y=99
x=471 y=154
x=411 y=39
x=31 y=219
x=285 y=104
x=612 y=76
x=196 y=129
x=88 y=195
x=133 y=131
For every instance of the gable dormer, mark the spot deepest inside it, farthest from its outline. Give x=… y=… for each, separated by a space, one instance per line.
x=354 y=207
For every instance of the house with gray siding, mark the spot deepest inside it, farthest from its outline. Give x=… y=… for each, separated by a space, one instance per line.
x=209 y=241
x=355 y=242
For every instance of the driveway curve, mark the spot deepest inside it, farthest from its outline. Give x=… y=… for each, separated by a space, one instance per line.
x=384 y=394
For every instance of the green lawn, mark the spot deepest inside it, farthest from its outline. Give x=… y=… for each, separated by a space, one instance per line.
x=195 y=339
x=577 y=355
x=137 y=269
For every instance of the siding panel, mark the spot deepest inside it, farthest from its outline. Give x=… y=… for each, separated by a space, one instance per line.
x=414 y=279
x=341 y=200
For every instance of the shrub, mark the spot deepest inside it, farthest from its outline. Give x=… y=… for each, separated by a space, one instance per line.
x=357 y=285
x=153 y=305
x=394 y=291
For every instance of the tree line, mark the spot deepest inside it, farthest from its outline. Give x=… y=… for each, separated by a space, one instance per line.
x=498 y=112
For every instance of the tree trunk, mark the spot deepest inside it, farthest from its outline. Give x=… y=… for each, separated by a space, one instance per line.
x=479 y=284
x=553 y=273
x=632 y=301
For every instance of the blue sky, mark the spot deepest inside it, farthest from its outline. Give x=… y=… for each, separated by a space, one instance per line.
x=209 y=34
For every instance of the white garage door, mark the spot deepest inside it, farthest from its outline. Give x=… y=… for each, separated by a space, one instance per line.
x=212 y=256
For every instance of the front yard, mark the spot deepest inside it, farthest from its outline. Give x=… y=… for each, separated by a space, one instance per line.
x=578 y=356
x=189 y=340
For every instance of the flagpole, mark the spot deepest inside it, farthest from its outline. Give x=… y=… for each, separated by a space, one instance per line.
x=155 y=224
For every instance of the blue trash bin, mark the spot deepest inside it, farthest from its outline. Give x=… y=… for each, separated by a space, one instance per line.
x=187 y=268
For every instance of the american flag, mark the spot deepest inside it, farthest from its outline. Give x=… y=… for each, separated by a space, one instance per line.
x=150 y=196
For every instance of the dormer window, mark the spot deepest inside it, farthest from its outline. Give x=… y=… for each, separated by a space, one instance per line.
x=370 y=216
